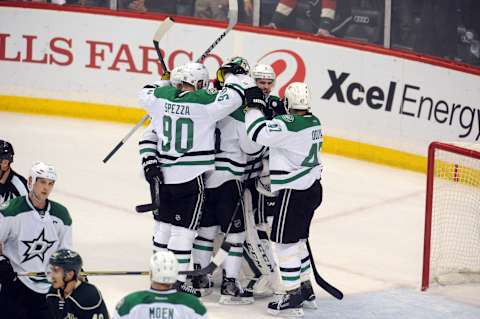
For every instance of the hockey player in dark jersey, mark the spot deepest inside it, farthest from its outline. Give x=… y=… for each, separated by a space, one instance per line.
x=11 y=183
x=70 y=296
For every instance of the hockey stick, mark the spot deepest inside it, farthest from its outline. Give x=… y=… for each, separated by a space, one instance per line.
x=320 y=281
x=101 y=273
x=161 y=31
x=232 y=21
x=155 y=194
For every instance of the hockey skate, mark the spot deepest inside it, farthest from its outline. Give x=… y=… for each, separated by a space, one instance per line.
x=232 y=294
x=202 y=284
x=308 y=295
x=183 y=287
x=287 y=305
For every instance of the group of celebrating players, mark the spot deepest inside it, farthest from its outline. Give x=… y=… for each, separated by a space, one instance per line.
x=217 y=156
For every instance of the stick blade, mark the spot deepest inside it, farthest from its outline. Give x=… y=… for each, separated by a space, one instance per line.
x=163 y=29
x=145 y=208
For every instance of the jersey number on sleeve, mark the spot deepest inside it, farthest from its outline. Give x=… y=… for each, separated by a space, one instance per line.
x=312 y=158
x=183 y=142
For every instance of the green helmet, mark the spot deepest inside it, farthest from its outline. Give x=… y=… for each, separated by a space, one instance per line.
x=67 y=259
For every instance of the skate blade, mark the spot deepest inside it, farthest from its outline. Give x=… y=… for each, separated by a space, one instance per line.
x=310 y=304
x=291 y=313
x=231 y=300
x=205 y=292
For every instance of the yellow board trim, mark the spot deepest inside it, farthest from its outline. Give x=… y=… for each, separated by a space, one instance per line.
x=111 y=113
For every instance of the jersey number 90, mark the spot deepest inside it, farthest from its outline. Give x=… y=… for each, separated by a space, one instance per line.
x=183 y=134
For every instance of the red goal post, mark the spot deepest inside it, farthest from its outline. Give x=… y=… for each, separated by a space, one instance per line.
x=451 y=252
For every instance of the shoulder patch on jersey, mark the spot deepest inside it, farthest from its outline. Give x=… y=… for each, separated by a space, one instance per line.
x=14 y=207
x=60 y=211
x=296 y=123
x=212 y=91
x=288 y=118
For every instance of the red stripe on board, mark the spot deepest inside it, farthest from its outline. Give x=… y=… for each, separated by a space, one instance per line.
x=444 y=63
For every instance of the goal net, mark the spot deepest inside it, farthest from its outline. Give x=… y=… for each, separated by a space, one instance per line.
x=452 y=215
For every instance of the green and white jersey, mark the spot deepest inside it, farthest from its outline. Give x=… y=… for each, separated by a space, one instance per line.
x=29 y=238
x=235 y=147
x=185 y=124
x=295 y=142
x=155 y=304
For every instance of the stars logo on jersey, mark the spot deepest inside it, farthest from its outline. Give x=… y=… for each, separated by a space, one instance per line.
x=288 y=118
x=37 y=247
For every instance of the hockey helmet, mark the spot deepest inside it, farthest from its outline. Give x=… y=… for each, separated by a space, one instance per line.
x=68 y=260
x=297 y=96
x=195 y=74
x=164 y=267
x=263 y=72
x=6 y=151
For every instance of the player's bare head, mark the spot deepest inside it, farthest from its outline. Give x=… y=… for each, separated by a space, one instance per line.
x=64 y=266
x=297 y=98
x=264 y=77
x=6 y=155
x=41 y=180
x=190 y=77
x=163 y=268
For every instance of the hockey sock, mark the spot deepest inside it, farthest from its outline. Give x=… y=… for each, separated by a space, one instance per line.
x=233 y=261
x=180 y=243
x=289 y=262
x=305 y=269
x=203 y=245
x=161 y=234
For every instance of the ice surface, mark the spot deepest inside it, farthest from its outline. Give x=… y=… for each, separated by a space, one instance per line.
x=367 y=236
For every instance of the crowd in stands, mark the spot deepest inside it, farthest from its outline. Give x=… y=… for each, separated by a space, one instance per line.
x=444 y=28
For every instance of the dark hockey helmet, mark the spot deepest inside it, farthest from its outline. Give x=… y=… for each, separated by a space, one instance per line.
x=6 y=151
x=67 y=259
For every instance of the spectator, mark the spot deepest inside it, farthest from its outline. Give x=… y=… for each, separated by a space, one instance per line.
x=133 y=5
x=308 y=16
x=212 y=9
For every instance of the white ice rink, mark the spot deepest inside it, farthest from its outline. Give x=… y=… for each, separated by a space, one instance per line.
x=367 y=236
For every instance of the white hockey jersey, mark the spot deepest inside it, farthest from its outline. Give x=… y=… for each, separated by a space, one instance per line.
x=168 y=304
x=235 y=147
x=29 y=239
x=295 y=142
x=185 y=124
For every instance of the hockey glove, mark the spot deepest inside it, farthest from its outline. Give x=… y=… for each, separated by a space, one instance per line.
x=152 y=169
x=165 y=76
x=254 y=99
x=6 y=270
x=277 y=106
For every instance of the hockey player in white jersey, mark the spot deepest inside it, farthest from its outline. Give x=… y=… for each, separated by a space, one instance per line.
x=224 y=191
x=294 y=141
x=184 y=118
x=162 y=300
x=32 y=228
x=12 y=184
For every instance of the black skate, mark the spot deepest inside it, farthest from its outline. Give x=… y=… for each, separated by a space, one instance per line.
x=287 y=305
x=308 y=295
x=183 y=287
x=232 y=294
x=202 y=283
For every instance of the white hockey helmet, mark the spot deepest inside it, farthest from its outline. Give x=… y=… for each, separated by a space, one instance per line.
x=193 y=73
x=42 y=170
x=164 y=267
x=175 y=75
x=297 y=96
x=263 y=72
